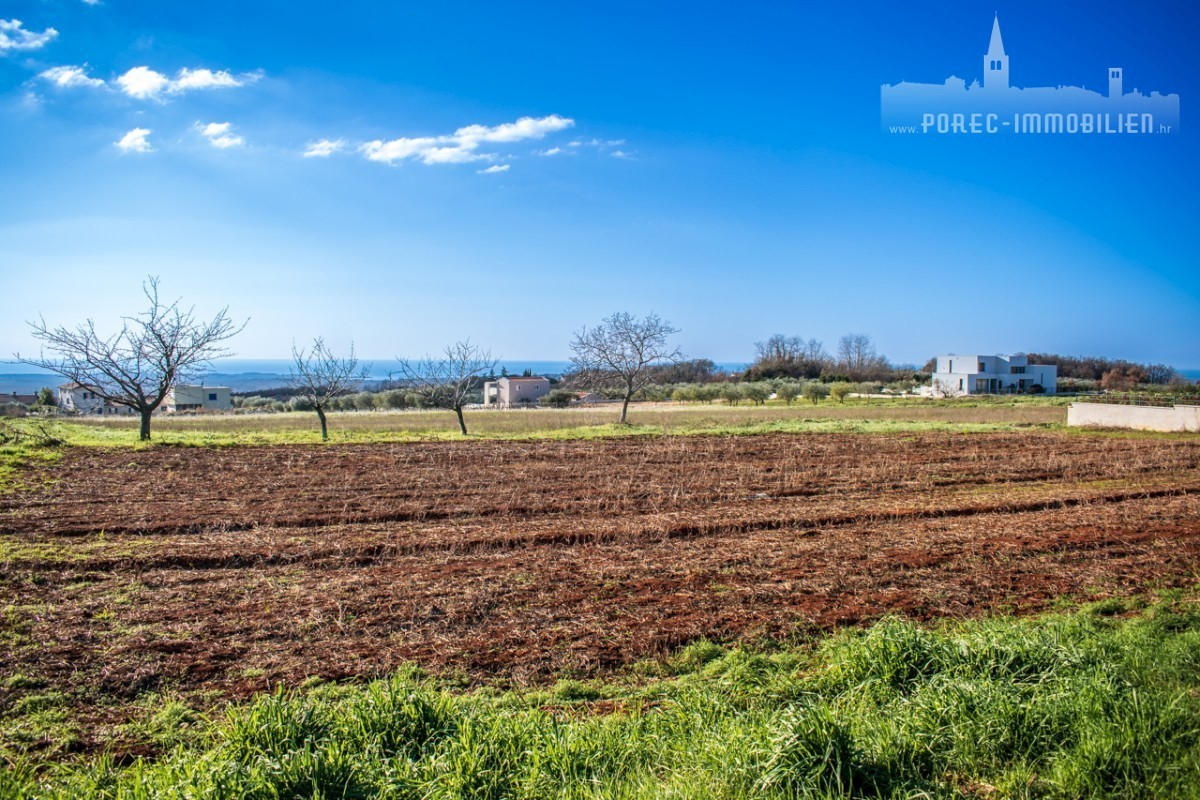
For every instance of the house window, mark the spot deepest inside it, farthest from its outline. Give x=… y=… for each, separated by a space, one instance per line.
x=1018 y=370
x=212 y=395
x=960 y=384
x=950 y=368
x=982 y=367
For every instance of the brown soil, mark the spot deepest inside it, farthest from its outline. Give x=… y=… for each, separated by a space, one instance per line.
x=226 y=570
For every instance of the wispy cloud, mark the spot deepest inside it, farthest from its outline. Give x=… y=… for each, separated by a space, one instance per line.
x=463 y=145
x=220 y=135
x=67 y=77
x=143 y=83
x=553 y=151
x=597 y=143
x=324 y=148
x=135 y=142
x=91 y=2
x=493 y=169
x=14 y=36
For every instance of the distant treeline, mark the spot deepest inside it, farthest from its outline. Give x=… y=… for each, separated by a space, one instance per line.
x=783 y=366
x=1095 y=368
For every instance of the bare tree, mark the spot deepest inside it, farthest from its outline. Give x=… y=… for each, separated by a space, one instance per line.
x=859 y=359
x=946 y=387
x=449 y=382
x=780 y=348
x=619 y=353
x=137 y=366
x=855 y=352
x=783 y=356
x=320 y=377
x=814 y=351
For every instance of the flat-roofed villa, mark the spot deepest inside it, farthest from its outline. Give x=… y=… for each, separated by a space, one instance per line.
x=997 y=374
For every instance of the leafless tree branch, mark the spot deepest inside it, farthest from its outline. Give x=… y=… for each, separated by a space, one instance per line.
x=450 y=381
x=619 y=352
x=318 y=376
x=136 y=366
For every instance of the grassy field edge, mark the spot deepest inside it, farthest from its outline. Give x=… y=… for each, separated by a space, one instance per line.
x=1102 y=701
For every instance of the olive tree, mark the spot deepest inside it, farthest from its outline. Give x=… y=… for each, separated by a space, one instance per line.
x=840 y=391
x=814 y=391
x=319 y=379
x=450 y=381
x=620 y=353
x=135 y=367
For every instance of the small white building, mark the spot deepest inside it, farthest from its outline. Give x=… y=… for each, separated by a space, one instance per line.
x=515 y=391
x=185 y=397
x=972 y=374
x=75 y=398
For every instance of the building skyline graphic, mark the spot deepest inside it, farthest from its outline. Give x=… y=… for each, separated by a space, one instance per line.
x=995 y=106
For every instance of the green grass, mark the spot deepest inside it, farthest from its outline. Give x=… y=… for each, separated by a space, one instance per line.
x=646 y=419
x=22 y=443
x=1087 y=704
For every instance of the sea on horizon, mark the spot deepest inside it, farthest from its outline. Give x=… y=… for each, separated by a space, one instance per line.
x=251 y=374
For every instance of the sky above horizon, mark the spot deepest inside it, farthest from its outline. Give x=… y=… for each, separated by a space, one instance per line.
x=402 y=176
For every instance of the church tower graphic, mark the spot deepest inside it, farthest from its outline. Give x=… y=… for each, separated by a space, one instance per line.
x=995 y=62
x=990 y=104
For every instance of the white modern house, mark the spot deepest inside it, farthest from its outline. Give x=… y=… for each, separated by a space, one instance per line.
x=76 y=398
x=185 y=397
x=973 y=374
x=515 y=391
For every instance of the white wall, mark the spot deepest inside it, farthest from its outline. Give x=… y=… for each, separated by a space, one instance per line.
x=1142 y=418
x=209 y=398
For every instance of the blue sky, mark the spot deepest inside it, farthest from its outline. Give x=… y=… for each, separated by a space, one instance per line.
x=510 y=172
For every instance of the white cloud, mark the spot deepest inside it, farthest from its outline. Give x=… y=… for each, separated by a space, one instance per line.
x=144 y=83
x=205 y=79
x=522 y=129
x=135 y=142
x=620 y=154
x=68 y=77
x=493 y=169
x=553 y=151
x=462 y=146
x=220 y=135
x=13 y=36
x=324 y=148
x=91 y=2
x=597 y=143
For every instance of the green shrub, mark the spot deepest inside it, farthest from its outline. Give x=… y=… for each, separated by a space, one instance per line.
x=815 y=392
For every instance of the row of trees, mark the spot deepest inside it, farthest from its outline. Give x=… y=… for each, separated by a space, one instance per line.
x=320 y=378
x=168 y=344
x=623 y=355
x=783 y=356
x=1093 y=368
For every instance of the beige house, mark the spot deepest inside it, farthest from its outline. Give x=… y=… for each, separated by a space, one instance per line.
x=514 y=391
x=76 y=398
x=186 y=397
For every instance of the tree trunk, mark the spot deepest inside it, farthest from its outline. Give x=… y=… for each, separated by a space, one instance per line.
x=625 y=408
x=462 y=424
x=144 y=433
x=324 y=426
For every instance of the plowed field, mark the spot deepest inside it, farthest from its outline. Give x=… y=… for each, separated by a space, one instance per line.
x=225 y=570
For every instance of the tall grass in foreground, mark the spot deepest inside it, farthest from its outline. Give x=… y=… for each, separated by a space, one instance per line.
x=1078 y=706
